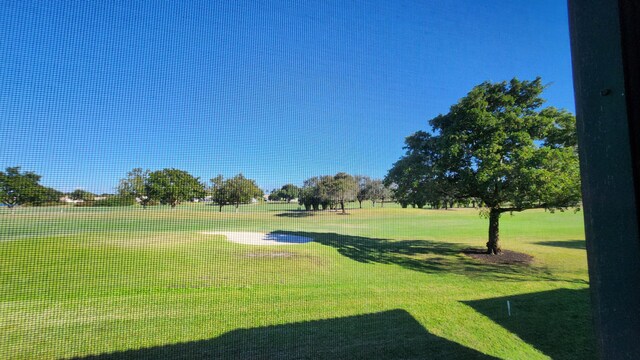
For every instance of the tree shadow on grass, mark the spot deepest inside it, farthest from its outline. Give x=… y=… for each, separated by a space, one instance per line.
x=427 y=256
x=556 y=322
x=385 y=335
x=295 y=214
x=569 y=244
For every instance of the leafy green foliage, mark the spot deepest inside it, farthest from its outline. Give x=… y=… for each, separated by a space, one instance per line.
x=364 y=184
x=233 y=191
x=173 y=186
x=498 y=146
x=218 y=191
x=343 y=188
x=79 y=194
x=414 y=178
x=135 y=185
x=328 y=191
x=309 y=194
x=23 y=188
x=241 y=190
x=116 y=200
x=287 y=193
x=376 y=191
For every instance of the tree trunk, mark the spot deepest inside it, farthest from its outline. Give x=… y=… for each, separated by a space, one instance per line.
x=493 y=245
x=342 y=206
x=360 y=201
x=220 y=207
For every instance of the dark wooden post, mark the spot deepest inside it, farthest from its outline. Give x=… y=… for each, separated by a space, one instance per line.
x=605 y=45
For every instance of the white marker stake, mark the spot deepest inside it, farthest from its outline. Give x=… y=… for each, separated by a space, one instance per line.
x=508 y=307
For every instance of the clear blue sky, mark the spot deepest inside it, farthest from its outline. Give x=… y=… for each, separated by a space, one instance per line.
x=281 y=92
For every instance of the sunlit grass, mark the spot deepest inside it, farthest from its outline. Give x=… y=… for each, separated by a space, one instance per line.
x=81 y=281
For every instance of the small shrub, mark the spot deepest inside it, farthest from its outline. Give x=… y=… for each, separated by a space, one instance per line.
x=115 y=201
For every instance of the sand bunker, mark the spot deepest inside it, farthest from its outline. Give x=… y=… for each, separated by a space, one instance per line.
x=254 y=238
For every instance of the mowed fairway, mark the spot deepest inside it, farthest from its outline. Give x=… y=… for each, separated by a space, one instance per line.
x=377 y=283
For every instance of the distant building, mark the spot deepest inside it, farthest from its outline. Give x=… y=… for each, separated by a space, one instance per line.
x=68 y=200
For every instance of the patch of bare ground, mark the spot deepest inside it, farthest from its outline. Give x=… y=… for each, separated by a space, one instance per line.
x=506 y=257
x=278 y=254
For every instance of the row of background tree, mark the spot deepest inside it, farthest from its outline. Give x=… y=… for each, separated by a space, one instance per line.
x=329 y=192
x=173 y=186
x=166 y=186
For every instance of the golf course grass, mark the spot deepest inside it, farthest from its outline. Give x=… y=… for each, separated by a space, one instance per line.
x=113 y=283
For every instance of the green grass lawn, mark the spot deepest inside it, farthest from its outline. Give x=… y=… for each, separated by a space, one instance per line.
x=103 y=283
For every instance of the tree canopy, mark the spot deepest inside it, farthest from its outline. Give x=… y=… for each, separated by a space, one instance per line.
x=287 y=193
x=328 y=191
x=363 y=188
x=23 y=188
x=234 y=191
x=79 y=194
x=376 y=191
x=343 y=189
x=414 y=177
x=173 y=186
x=497 y=145
x=241 y=190
x=135 y=185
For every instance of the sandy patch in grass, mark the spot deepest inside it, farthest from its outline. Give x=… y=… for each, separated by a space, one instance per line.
x=256 y=238
x=278 y=254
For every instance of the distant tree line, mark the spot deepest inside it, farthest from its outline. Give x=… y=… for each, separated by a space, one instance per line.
x=333 y=191
x=167 y=187
x=173 y=186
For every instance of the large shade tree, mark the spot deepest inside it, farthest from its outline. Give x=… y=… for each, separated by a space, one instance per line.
x=23 y=188
x=370 y=189
x=498 y=145
x=218 y=192
x=343 y=188
x=310 y=194
x=287 y=193
x=328 y=191
x=376 y=191
x=234 y=191
x=241 y=190
x=135 y=185
x=173 y=186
